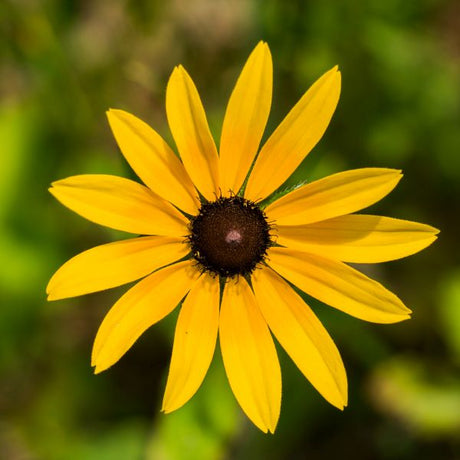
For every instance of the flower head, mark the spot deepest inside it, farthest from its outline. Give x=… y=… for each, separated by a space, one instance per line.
x=205 y=226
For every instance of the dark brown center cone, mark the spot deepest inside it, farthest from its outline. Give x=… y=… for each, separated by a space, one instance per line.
x=229 y=236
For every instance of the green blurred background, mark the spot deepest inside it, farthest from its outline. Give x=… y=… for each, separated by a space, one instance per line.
x=63 y=63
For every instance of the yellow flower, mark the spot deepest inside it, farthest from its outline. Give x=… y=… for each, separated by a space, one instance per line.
x=212 y=244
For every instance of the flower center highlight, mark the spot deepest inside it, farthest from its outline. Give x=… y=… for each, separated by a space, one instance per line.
x=229 y=236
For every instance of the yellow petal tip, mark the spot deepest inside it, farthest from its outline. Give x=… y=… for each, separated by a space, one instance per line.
x=95 y=362
x=396 y=174
x=177 y=72
x=404 y=317
x=261 y=44
x=55 y=184
x=118 y=113
x=51 y=292
x=98 y=369
x=166 y=410
x=339 y=402
x=168 y=406
x=270 y=427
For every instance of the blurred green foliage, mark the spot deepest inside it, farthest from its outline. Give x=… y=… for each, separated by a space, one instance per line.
x=63 y=63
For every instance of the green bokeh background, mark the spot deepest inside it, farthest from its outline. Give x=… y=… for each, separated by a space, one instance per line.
x=63 y=63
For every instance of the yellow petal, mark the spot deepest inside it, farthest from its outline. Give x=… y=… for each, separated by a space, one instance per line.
x=295 y=137
x=114 y=264
x=332 y=196
x=359 y=238
x=190 y=130
x=153 y=161
x=245 y=119
x=249 y=356
x=145 y=304
x=339 y=286
x=194 y=343
x=119 y=203
x=302 y=335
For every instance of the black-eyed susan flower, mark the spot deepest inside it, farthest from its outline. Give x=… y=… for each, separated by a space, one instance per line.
x=209 y=244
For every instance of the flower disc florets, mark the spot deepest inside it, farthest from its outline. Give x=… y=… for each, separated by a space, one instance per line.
x=229 y=236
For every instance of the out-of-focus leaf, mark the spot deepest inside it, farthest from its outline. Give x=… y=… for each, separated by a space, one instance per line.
x=201 y=428
x=449 y=311
x=121 y=442
x=418 y=396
